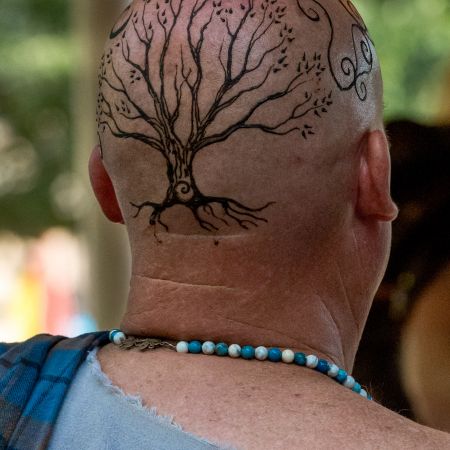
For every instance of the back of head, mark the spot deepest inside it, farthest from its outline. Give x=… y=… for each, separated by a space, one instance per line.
x=245 y=145
x=232 y=130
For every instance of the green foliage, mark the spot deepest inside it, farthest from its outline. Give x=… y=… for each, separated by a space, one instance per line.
x=36 y=65
x=412 y=38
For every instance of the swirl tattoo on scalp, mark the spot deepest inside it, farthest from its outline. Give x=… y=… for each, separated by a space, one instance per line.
x=354 y=69
x=269 y=68
x=122 y=23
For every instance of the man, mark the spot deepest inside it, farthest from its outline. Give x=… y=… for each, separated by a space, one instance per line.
x=242 y=145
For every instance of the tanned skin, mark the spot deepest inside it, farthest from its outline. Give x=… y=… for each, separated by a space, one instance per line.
x=242 y=145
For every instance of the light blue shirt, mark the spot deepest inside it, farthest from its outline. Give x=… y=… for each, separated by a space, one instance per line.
x=96 y=415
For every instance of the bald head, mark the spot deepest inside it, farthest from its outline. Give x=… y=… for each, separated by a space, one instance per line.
x=246 y=149
x=224 y=117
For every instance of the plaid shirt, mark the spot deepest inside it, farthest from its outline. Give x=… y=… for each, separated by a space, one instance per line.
x=35 y=376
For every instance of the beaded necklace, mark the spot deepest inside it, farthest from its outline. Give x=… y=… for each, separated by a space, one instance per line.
x=248 y=352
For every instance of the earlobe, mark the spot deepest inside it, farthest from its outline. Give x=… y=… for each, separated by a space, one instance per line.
x=103 y=187
x=374 y=198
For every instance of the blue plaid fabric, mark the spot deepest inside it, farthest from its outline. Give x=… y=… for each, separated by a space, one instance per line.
x=35 y=376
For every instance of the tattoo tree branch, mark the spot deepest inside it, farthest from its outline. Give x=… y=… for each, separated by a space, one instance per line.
x=143 y=94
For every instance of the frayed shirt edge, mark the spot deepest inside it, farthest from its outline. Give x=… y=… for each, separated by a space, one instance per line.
x=136 y=402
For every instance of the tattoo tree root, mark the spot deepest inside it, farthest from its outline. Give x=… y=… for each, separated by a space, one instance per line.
x=276 y=68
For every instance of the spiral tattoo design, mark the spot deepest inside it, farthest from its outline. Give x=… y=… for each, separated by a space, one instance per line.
x=183 y=190
x=353 y=69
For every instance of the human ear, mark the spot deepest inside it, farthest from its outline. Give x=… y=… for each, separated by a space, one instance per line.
x=374 y=198
x=103 y=187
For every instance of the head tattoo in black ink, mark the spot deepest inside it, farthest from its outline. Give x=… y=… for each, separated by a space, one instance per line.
x=352 y=70
x=143 y=56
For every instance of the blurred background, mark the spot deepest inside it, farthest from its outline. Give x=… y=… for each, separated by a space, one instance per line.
x=64 y=269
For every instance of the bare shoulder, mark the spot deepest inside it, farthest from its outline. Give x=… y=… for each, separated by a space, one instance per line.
x=343 y=420
x=257 y=406
x=382 y=428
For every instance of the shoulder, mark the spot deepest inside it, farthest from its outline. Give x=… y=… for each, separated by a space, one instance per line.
x=298 y=410
x=371 y=425
x=354 y=424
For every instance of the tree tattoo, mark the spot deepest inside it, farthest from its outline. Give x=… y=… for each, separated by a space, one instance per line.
x=173 y=91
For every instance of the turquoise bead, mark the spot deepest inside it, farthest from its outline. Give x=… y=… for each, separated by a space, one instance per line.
x=300 y=358
x=341 y=376
x=222 y=349
x=195 y=347
x=248 y=352
x=275 y=354
x=323 y=366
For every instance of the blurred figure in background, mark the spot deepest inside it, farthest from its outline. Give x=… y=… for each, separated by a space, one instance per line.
x=40 y=284
x=422 y=251
x=410 y=317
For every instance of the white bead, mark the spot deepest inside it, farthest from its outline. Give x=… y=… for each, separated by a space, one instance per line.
x=111 y=334
x=349 y=382
x=234 y=350
x=182 y=347
x=287 y=356
x=208 y=347
x=363 y=393
x=312 y=361
x=119 y=338
x=261 y=353
x=334 y=369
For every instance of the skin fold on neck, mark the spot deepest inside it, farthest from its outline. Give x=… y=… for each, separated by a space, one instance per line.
x=308 y=303
x=250 y=169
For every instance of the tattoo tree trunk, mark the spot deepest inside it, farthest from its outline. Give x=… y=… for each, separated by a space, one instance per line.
x=137 y=57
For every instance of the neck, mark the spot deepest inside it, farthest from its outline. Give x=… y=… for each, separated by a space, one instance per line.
x=251 y=299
